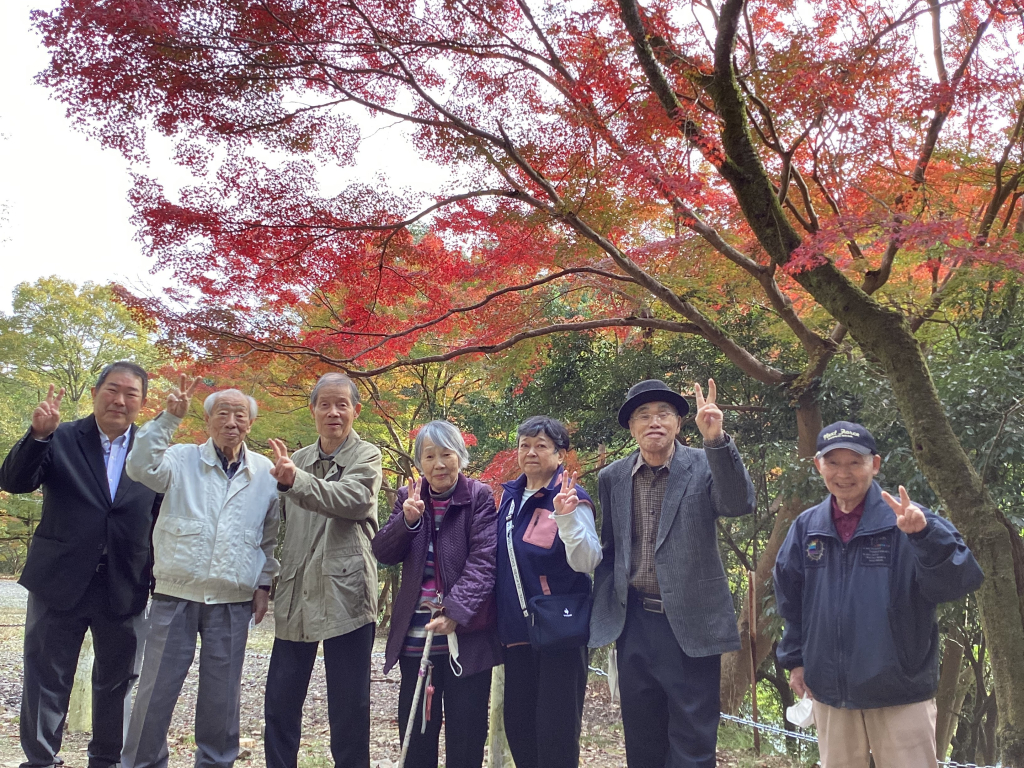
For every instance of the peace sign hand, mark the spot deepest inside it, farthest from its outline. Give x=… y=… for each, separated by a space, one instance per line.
x=567 y=498
x=46 y=416
x=413 y=506
x=284 y=468
x=709 y=417
x=909 y=518
x=179 y=397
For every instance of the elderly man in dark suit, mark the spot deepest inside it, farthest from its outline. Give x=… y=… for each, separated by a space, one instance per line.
x=660 y=591
x=89 y=563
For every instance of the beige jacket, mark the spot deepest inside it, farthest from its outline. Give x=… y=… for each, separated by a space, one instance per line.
x=328 y=584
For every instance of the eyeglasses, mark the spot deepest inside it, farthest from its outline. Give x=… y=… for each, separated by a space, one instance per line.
x=647 y=417
x=539 y=448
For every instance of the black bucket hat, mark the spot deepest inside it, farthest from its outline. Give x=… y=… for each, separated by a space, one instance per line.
x=650 y=391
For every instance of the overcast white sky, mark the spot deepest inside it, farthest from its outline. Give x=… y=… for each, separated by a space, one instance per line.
x=66 y=210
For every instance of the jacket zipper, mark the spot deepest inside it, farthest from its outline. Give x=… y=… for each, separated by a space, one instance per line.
x=841 y=674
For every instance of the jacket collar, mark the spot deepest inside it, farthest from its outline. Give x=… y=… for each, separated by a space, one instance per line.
x=878 y=516
x=92 y=450
x=518 y=485
x=461 y=497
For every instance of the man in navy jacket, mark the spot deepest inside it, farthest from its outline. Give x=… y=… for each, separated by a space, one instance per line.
x=857 y=582
x=89 y=564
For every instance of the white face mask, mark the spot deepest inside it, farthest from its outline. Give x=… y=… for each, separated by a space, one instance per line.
x=453 y=654
x=801 y=714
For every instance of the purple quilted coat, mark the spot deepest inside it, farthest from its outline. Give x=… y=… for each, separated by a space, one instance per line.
x=464 y=551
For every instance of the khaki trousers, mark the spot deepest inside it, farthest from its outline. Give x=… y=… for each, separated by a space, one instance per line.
x=898 y=737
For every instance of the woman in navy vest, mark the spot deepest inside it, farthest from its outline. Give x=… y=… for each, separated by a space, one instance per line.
x=548 y=521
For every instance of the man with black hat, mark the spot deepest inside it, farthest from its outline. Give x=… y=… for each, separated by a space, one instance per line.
x=857 y=582
x=660 y=592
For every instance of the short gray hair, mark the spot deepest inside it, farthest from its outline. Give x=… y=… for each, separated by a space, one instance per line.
x=445 y=435
x=212 y=399
x=334 y=378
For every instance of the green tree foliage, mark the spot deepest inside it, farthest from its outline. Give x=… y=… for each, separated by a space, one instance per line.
x=62 y=334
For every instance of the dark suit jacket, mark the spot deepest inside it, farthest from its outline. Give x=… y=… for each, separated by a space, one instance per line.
x=702 y=485
x=79 y=519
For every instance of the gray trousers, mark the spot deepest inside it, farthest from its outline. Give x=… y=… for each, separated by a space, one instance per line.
x=170 y=650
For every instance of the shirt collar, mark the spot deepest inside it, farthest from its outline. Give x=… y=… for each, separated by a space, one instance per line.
x=106 y=441
x=640 y=461
x=224 y=459
x=333 y=453
x=854 y=514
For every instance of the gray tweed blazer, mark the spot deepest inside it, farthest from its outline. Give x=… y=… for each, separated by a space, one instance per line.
x=702 y=485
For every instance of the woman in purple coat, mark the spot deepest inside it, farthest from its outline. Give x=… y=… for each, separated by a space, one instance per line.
x=444 y=532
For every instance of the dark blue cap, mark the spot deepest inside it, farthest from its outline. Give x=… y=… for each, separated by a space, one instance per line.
x=846 y=434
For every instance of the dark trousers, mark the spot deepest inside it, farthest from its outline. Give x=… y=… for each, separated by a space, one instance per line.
x=670 y=701
x=544 y=693
x=347 y=663
x=461 y=701
x=53 y=641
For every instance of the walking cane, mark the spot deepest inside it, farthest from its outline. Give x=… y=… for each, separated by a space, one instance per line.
x=421 y=677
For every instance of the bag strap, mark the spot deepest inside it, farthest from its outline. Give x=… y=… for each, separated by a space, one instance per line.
x=509 y=525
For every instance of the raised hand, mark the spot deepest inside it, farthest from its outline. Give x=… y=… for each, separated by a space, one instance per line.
x=46 y=416
x=796 y=682
x=179 y=397
x=709 y=417
x=567 y=499
x=909 y=518
x=413 y=506
x=284 y=469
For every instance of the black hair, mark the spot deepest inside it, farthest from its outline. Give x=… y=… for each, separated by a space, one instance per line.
x=553 y=428
x=128 y=367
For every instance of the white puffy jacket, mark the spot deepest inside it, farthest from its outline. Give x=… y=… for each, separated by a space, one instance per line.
x=214 y=538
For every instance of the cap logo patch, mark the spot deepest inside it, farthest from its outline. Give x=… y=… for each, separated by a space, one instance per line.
x=842 y=432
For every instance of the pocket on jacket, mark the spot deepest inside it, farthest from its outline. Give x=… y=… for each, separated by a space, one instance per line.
x=542 y=530
x=252 y=566
x=177 y=544
x=344 y=583
x=714 y=601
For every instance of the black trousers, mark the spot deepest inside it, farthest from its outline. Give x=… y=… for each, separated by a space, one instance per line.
x=544 y=693
x=53 y=641
x=670 y=701
x=462 y=702
x=347 y=663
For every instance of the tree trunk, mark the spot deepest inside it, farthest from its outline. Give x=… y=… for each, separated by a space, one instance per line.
x=80 y=706
x=499 y=755
x=992 y=539
x=736 y=665
x=385 y=604
x=949 y=695
x=883 y=333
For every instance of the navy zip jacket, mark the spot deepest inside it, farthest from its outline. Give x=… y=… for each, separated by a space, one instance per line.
x=860 y=617
x=533 y=561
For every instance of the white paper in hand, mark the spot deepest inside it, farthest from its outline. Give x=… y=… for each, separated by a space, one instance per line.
x=801 y=714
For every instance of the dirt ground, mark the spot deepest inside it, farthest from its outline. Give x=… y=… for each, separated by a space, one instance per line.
x=602 y=728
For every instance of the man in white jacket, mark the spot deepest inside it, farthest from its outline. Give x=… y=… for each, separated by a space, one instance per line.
x=213 y=564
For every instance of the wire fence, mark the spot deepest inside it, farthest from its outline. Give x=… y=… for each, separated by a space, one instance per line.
x=800 y=736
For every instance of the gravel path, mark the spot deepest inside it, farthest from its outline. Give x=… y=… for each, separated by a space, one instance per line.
x=12 y=595
x=603 y=750
x=601 y=743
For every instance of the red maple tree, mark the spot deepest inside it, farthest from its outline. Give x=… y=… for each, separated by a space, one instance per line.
x=841 y=164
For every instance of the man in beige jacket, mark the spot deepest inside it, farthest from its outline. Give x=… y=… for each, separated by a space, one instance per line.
x=328 y=586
